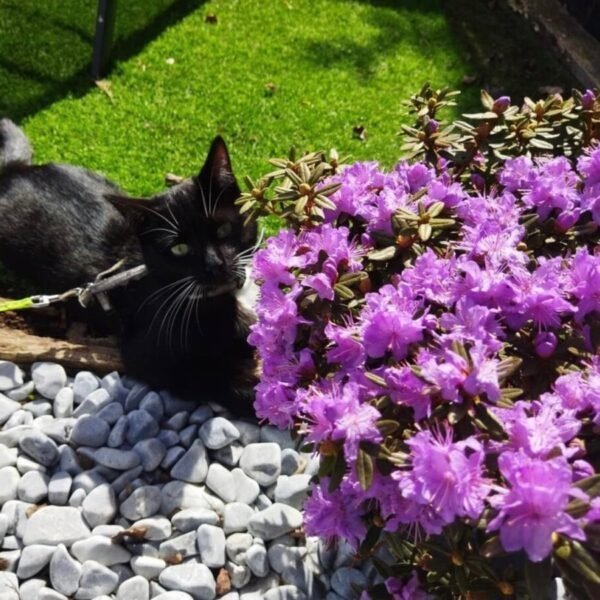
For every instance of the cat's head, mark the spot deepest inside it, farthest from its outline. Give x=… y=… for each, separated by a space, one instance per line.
x=194 y=229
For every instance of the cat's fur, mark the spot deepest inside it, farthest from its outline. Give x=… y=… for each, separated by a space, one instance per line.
x=181 y=327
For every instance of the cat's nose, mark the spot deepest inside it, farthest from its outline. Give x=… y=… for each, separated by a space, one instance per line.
x=214 y=261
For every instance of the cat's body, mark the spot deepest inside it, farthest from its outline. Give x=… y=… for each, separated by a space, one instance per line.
x=181 y=327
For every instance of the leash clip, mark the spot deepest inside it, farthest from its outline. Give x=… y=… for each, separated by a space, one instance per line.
x=43 y=300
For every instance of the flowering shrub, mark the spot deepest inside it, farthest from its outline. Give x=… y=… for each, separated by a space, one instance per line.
x=434 y=337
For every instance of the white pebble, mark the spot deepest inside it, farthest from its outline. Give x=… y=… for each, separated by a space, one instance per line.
x=55 y=525
x=262 y=462
x=193 y=465
x=49 y=378
x=101 y=549
x=65 y=571
x=190 y=577
x=211 y=545
x=218 y=432
x=100 y=505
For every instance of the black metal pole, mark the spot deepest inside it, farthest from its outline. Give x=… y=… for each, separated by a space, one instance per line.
x=105 y=27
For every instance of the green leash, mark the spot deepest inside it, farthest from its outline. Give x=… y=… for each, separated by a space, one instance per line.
x=17 y=304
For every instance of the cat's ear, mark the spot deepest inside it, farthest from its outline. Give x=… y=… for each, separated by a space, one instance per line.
x=216 y=176
x=135 y=210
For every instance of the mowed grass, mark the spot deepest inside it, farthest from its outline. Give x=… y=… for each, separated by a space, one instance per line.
x=263 y=74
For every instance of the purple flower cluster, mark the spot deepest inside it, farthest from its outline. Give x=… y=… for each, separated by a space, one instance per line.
x=441 y=337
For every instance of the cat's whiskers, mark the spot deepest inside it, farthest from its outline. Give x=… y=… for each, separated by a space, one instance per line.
x=172 y=294
x=162 y=290
x=169 y=319
x=175 y=220
x=155 y=212
x=216 y=203
x=203 y=201
x=187 y=315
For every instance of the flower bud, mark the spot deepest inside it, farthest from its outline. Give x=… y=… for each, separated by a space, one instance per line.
x=432 y=126
x=545 y=344
x=588 y=99
x=501 y=104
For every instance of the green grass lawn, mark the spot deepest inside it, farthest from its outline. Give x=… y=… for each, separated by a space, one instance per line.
x=266 y=75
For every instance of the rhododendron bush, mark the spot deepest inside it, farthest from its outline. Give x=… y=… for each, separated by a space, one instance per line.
x=432 y=331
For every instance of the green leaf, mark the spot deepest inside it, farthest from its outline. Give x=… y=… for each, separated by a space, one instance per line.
x=541 y=144
x=388 y=426
x=338 y=471
x=425 y=230
x=484 y=116
x=364 y=469
x=539 y=579
x=383 y=255
x=270 y=225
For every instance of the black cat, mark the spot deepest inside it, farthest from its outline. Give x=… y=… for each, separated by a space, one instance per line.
x=181 y=327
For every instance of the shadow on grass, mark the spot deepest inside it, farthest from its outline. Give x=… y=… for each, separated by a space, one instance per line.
x=46 y=47
x=501 y=51
x=395 y=27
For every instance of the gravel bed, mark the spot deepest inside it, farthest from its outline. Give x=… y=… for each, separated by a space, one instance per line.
x=111 y=490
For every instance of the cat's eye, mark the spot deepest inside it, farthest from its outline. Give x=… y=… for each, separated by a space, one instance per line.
x=223 y=231
x=180 y=249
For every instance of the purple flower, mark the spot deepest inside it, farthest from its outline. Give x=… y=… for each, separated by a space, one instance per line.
x=446 y=476
x=545 y=344
x=407 y=389
x=273 y=263
x=518 y=173
x=348 y=350
x=589 y=166
x=334 y=514
x=483 y=376
x=447 y=371
x=588 y=99
x=356 y=425
x=584 y=283
x=501 y=104
x=533 y=507
x=409 y=590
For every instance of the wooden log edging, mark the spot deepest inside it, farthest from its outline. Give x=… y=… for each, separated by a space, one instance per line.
x=20 y=347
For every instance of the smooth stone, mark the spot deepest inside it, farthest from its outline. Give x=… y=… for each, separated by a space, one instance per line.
x=274 y=521
x=178 y=494
x=345 y=580
x=48 y=378
x=117 y=434
x=15 y=512
x=55 y=525
x=63 y=403
x=190 y=577
x=141 y=425
x=90 y=430
x=100 y=549
x=236 y=546
x=229 y=455
x=282 y=556
x=10 y=560
x=28 y=590
x=188 y=435
x=218 y=432
x=151 y=453
x=19 y=417
x=201 y=415
x=152 y=404
x=174 y=405
x=33 y=487
x=262 y=462
x=172 y=455
x=100 y=505
x=9 y=586
x=3 y=527
x=246 y=489
x=137 y=393
x=258 y=587
x=84 y=384
x=40 y=447
x=88 y=480
x=10 y=376
x=48 y=594
x=121 y=460
x=249 y=432
x=177 y=421
x=168 y=437
x=236 y=517
x=211 y=545
x=7 y=408
x=21 y=393
x=38 y=408
x=257 y=560
x=93 y=403
x=185 y=545
x=239 y=575
x=65 y=571
x=193 y=465
x=157 y=528
x=110 y=382
x=69 y=461
x=125 y=479
x=173 y=596
x=285 y=592
x=292 y=490
x=143 y=502
x=58 y=430
x=136 y=588
x=291 y=462
x=231 y=596
x=109 y=530
x=12 y=542
x=191 y=518
x=8 y=457
x=221 y=482
x=77 y=497
x=147 y=566
x=11 y=437
x=26 y=464
x=111 y=412
x=96 y=580
x=9 y=484
x=281 y=437
x=33 y=559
